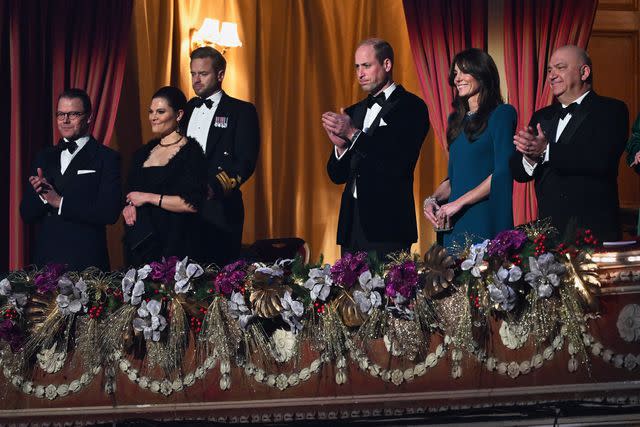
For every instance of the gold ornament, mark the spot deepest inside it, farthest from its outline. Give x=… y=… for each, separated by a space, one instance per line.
x=37 y=310
x=582 y=273
x=438 y=270
x=348 y=309
x=265 y=300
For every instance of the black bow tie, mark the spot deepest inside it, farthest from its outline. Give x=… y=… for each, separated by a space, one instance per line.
x=67 y=145
x=378 y=99
x=199 y=101
x=569 y=109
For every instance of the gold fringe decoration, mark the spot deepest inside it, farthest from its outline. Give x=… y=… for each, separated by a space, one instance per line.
x=87 y=341
x=333 y=333
x=48 y=331
x=582 y=273
x=118 y=331
x=178 y=336
x=456 y=316
x=572 y=319
x=220 y=334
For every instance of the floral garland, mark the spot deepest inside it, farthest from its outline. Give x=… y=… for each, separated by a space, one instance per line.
x=261 y=315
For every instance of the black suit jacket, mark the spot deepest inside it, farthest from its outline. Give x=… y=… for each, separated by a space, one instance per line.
x=580 y=179
x=91 y=200
x=382 y=161
x=232 y=153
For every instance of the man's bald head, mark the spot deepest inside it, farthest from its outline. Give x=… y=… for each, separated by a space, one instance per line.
x=569 y=73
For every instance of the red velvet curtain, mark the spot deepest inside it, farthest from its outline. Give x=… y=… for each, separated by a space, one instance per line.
x=533 y=29
x=52 y=45
x=438 y=29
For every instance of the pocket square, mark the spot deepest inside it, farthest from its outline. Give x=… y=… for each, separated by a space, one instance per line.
x=85 y=171
x=382 y=122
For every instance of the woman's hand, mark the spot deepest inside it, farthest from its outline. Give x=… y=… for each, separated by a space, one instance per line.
x=430 y=209
x=129 y=214
x=636 y=159
x=448 y=211
x=137 y=198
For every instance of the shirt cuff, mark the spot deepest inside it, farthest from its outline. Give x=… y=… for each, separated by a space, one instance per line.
x=60 y=207
x=43 y=199
x=339 y=156
x=546 y=153
x=528 y=168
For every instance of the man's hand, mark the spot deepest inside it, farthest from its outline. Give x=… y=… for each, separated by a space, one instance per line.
x=531 y=146
x=129 y=214
x=39 y=183
x=339 y=124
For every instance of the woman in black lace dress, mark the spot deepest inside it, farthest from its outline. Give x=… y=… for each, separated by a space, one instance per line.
x=166 y=187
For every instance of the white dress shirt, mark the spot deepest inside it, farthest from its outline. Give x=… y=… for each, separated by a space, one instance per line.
x=372 y=113
x=562 y=124
x=65 y=161
x=201 y=119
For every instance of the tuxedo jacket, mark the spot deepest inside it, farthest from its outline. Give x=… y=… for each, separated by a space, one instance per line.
x=92 y=198
x=381 y=161
x=579 y=182
x=232 y=150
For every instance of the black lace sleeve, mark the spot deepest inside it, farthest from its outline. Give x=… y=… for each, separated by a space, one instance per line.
x=139 y=157
x=192 y=186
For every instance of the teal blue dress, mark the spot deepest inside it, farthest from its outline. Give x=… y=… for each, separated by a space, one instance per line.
x=470 y=163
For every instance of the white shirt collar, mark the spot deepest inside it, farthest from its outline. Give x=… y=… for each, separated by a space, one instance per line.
x=215 y=97
x=579 y=100
x=389 y=90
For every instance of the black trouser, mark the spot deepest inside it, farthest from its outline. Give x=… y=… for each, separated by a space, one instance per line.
x=358 y=240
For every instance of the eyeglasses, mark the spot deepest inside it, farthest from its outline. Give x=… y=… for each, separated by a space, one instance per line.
x=71 y=115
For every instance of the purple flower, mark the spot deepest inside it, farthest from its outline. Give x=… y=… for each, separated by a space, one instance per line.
x=47 y=279
x=10 y=333
x=348 y=269
x=402 y=279
x=506 y=243
x=165 y=270
x=231 y=277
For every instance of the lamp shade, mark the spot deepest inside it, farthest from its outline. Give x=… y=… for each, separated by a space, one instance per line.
x=210 y=31
x=229 y=35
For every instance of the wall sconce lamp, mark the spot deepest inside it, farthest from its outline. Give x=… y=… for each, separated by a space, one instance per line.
x=211 y=33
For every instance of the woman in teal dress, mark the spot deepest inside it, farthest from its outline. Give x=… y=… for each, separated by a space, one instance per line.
x=633 y=153
x=475 y=200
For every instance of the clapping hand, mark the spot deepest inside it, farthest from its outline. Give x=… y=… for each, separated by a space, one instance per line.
x=636 y=159
x=42 y=187
x=529 y=144
x=339 y=128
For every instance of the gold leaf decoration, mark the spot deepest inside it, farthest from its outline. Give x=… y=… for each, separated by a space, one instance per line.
x=266 y=300
x=582 y=273
x=348 y=309
x=438 y=270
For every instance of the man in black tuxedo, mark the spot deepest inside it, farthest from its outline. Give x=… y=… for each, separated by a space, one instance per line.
x=228 y=131
x=73 y=192
x=572 y=149
x=376 y=146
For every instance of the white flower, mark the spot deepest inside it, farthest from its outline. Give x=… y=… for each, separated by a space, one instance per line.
x=421 y=368
x=177 y=384
x=368 y=298
x=282 y=382
x=51 y=361
x=150 y=322
x=491 y=363
x=537 y=361
x=284 y=344
x=629 y=323
x=132 y=287
x=275 y=270
x=154 y=386
x=397 y=377
x=75 y=386
x=502 y=295
x=292 y=311
x=5 y=287
x=184 y=273
x=513 y=369
x=547 y=353
x=63 y=390
x=630 y=361
x=319 y=282
x=513 y=336
x=305 y=374
x=73 y=297
x=393 y=348
x=189 y=379
x=165 y=387
x=431 y=360
x=294 y=380
x=596 y=349
x=238 y=309
x=51 y=392
x=525 y=367
x=607 y=355
x=544 y=275
x=475 y=259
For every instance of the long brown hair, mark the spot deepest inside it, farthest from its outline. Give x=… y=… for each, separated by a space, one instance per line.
x=481 y=66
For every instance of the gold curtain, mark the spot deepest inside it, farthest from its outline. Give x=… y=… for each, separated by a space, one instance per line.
x=296 y=62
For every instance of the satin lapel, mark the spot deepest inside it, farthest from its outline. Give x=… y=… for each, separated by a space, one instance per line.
x=359 y=112
x=81 y=159
x=578 y=116
x=388 y=106
x=215 y=133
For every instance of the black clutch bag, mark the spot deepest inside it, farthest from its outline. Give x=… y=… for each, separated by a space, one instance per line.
x=141 y=238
